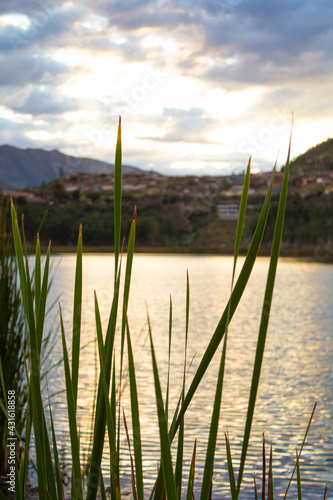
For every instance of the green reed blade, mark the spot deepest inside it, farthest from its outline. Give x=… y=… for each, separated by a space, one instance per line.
x=229 y=309
x=113 y=393
x=180 y=447
x=209 y=462
x=190 y=485
x=77 y=310
x=232 y=481
x=36 y=398
x=117 y=198
x=270 y=495
x=275 y=250
x=76 y=467
x=128 y=272
x=18 y=492
x=37 y=275
x=102 y=486
x=255 y=488
x=169 y=478
x=241 y=217
x=109 y=417
x=100 y=418
x=135 y=418
x=301 y=449
x=158 y=486
x=60 y=489
x=263 y=487
x=3 y=383
x=25 y=459
x=131 y=458
x=20 y=261
x=42 y=302
x=169 y=360
x=179 y=459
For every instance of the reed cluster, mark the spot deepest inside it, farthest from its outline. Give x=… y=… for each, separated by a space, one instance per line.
x=108 y=420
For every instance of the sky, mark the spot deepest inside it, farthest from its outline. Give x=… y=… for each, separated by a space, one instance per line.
x=200 y=85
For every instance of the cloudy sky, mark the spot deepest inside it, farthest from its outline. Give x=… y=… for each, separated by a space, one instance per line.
x=200 y=84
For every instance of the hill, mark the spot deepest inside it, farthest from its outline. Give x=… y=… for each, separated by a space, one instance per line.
x=20 y=168
x=316 y=160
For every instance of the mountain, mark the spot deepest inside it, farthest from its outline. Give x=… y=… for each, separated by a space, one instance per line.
x=20 y=168
x=316 y=160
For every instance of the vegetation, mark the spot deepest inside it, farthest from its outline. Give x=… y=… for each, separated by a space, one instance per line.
x=12 y=337
x=169 y=480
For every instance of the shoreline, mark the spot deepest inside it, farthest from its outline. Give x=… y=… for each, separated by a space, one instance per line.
x=314 y=254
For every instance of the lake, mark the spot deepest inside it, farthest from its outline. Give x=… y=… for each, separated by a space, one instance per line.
x=297 y=368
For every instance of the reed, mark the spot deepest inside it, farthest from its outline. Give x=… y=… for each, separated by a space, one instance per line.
x=107 y=416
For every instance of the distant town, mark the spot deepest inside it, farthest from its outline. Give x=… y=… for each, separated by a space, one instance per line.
x=184 y=213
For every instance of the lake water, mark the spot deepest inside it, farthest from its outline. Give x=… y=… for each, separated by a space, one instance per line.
x=297 y=368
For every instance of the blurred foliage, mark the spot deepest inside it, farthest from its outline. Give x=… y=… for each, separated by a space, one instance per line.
x=12 y=334
x=173 y=220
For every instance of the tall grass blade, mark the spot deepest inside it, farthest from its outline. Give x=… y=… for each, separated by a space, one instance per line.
x=255 y=488
x=131 y=458
x=76 y=467
x=190 y=484
x=41 y=306
x=179 y=459
x=37 y=275
x=234 y=300
x=301 y=449
x=180 y=447
x=169 y=361
x=232 y=481
x=117 y=198
x=270 y=495
x=100 y=419
x=299 y=487
x=109 y=417
x=128 y=272
x=77 y=307
x=241 y=217
x=263 y=482
x=102 y=486
x=41 y=442
x=135 y=419
x=275 y=250
x=60 y=490
x=210 y=454
x=169 y=478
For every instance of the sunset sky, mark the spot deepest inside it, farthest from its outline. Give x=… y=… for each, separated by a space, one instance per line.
x=200 y=85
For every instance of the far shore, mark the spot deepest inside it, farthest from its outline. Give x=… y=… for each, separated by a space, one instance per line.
x=314 y=254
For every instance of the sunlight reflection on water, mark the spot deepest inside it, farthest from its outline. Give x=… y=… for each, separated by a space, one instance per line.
x=296 y=370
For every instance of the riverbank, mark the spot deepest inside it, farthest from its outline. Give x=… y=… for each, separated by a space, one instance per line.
x=320 y=254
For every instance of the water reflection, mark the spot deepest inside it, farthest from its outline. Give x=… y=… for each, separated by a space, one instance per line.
x=296 y=370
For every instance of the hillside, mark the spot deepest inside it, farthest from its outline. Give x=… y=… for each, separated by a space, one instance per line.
x=315 y=160
x=20 y=168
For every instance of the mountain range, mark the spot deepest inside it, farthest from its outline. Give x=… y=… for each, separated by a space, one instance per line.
x=20 y=168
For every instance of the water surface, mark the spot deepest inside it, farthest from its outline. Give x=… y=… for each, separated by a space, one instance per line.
x=297 y=367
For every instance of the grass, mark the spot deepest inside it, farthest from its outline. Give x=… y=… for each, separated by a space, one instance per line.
x=108 y=417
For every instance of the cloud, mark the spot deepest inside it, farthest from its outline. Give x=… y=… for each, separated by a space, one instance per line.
x=41 y=103
x=23 y=69
x=89 y=60
x=185 y=126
